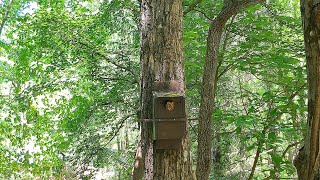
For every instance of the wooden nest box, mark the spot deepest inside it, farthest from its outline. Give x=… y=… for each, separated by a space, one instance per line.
x=169 y=119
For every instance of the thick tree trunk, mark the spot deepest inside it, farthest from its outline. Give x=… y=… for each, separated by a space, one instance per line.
x=161 y=61
x=308 y=159
x=204 y=153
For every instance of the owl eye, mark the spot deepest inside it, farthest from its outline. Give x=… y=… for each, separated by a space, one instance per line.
x=170 y=105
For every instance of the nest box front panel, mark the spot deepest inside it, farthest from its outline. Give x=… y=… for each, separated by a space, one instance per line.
x=169 y=107
x=170 y=129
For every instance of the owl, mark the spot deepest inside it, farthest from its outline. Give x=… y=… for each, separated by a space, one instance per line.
x=170 y=105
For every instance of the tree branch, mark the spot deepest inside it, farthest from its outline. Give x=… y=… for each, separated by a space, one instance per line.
x=107 y=58
x=229 y=66
x=204 y=14
x=5 y=17
x=192 y=6
x=290 y=146
x=120 y=126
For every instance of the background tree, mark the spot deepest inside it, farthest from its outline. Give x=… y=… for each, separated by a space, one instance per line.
x=209 y=81
x=307 y=161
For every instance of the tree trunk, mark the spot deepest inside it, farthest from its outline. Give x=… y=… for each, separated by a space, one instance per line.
x=204 y=155
x=207 y=100
x=161 y=61
x=307 y=160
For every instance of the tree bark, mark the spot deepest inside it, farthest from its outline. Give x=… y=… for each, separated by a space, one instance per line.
x=308 y=159
x=204 y=155
x=161 y=61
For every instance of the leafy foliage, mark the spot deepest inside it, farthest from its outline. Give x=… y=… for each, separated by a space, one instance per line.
x=69 y=88
x=65 y=65
x=260 y=101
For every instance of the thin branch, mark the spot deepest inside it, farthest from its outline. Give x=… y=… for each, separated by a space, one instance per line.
x=192 y=128
x=290 y=146
x=192 y=6
x=107 y=58
x=116 y=79
x=226 y=69
x=242 y=97
x=225 y=133
x=276 y=16
x=265 y=80
x=118 y=129
x=5 y=17
x=204 y=14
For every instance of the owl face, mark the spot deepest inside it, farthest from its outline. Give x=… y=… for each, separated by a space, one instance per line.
x=170 y=105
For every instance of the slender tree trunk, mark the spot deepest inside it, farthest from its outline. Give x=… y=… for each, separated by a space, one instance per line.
x=207 y=101
x=204 y=154
x=255 y=163
x=308 y=159
x=161 y=61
